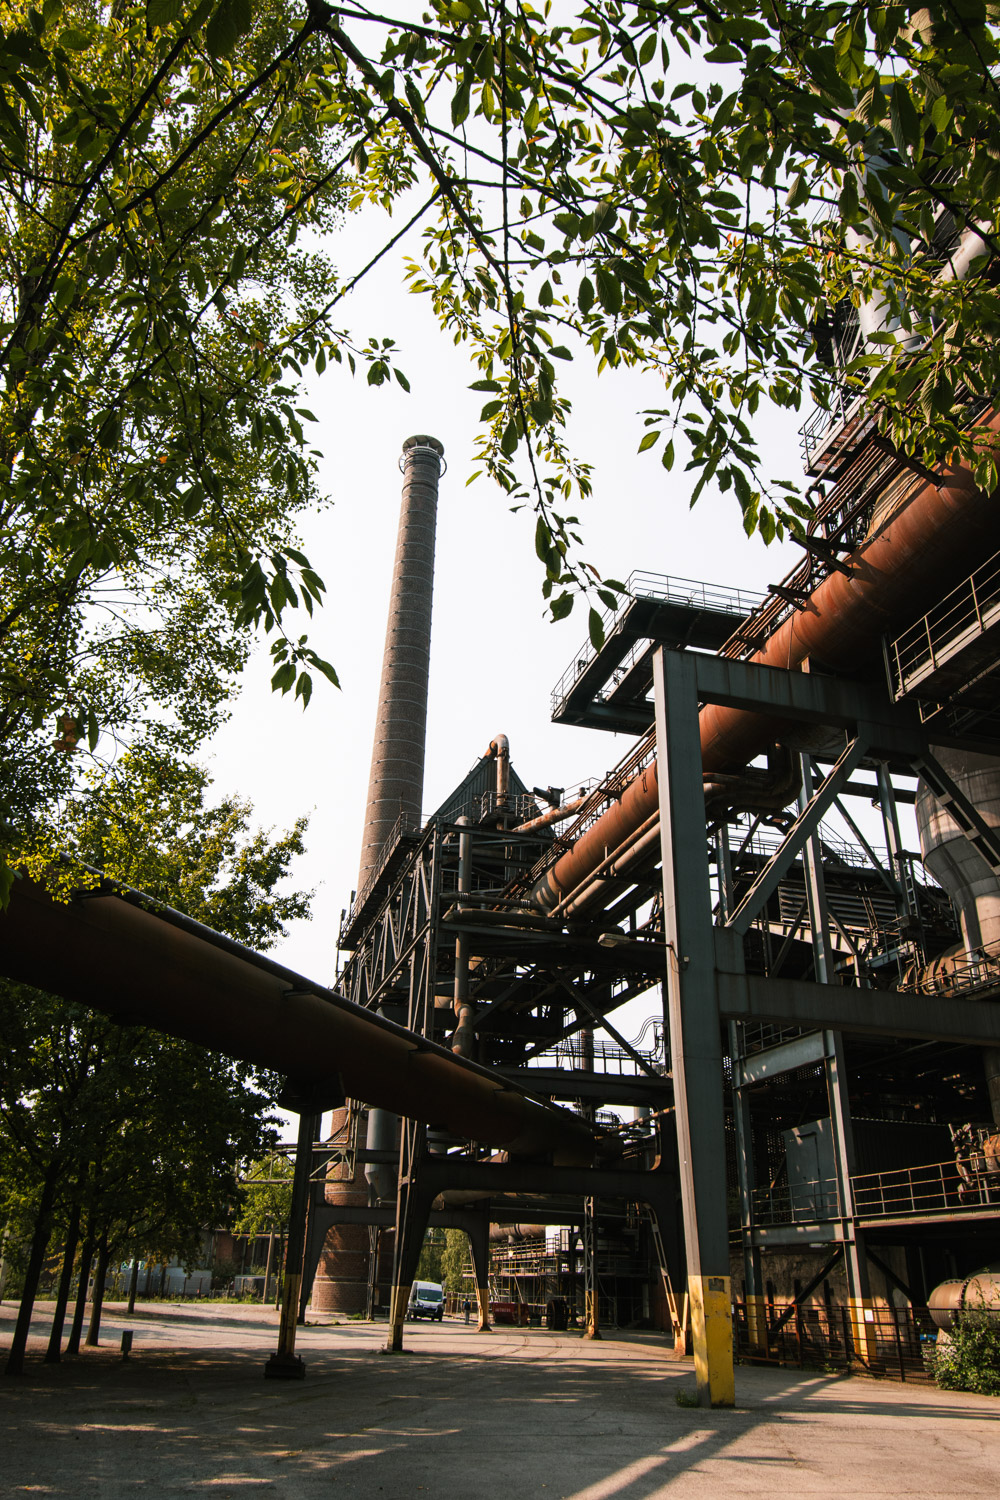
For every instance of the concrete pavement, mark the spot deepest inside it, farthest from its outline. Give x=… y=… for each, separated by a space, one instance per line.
x=461 y=1415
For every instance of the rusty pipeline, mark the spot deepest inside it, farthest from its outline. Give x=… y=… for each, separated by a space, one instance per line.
x=918 y=552
x=161 y=969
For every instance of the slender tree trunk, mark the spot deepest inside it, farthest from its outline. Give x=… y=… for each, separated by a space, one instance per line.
x=267 y=1268
x=86 y=1261
x=36 y=1258
x=279 y=1277
x=97 y=1305
x=133 y=1284
x=54 y=1352
x=3 y=1261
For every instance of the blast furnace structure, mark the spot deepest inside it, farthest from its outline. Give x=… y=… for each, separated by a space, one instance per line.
x=817 y=1123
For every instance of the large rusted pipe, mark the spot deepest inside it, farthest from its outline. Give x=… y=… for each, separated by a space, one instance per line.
x=554 y=815
x=163 y=970
x=891 y=578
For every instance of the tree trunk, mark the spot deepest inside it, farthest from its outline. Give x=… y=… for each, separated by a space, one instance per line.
x=133 y=1284
x=54 y=1352
x=36 y=1258
x=86 y=1261
x=97 y=1304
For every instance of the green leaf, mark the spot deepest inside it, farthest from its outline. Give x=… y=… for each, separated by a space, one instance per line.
x=585 y=296
x=595 y=628
x=232 y=20
x=798 y=193
x=73 y=40
x=649 y=440
x=7 y=878
x=460 y=103
x=609 y=290
x=160 y=13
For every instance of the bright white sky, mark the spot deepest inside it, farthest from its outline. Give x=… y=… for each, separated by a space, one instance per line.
x=495 y=658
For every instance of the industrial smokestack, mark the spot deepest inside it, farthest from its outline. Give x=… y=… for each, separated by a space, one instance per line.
x=396 y=782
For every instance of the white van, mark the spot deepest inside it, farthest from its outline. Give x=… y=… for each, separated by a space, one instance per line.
x=426 y=1300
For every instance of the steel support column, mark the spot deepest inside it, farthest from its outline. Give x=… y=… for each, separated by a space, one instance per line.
x=591 y=1291
x=693 y=1022
x=413 y=1205
x=479 y=1244
x=285 y=1364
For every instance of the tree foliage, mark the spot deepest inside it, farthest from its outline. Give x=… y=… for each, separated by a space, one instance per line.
x=147 y=1134
x=968 y=1358
x=265 y=1205
x=154 y=315
x=693 y=190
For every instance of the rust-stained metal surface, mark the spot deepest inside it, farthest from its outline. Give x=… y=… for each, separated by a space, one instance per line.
x=162 y=970
x=942 y=529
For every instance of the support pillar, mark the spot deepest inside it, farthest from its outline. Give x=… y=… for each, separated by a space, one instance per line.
x=855 y=1261
x=694 y=1025
x=479 y=1242
x=285 y=1364
x=413 y=1206
x=591 y=1291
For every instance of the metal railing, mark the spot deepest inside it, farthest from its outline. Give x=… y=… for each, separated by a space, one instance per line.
x=975 y=973
x=960 y=617
x=892 y=1342
x=949 y=1187
x=809 y=1202
x=711 y=598
x=599 y=1057
x=940 y=1188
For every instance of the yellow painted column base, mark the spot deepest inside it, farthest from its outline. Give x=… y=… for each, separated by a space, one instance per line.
x=862 y=1319
x=757 y=1322
x=593 y=1330
x=289 y=1313
x=397 y=1317
x=483 y=1298
x=712 y=1337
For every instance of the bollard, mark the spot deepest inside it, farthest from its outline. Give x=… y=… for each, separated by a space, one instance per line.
x=126 y=1343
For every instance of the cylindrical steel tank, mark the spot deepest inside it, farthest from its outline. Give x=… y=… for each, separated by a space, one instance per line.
x=955 y=863
x=963 y=873
x=341 y=1284
x=979 y=1292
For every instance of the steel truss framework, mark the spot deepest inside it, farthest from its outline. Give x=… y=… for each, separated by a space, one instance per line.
x=711 y=984
x=765 y=967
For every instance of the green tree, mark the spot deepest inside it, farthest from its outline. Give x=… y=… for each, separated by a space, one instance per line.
x=144 y=1135
x=690 y=190
x=265 y=1205
x=456 y=1259
x=968 y=1358
x=429 y=1264
x=154 y=315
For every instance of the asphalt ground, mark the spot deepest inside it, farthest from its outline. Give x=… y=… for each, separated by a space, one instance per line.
x=518 y=1412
